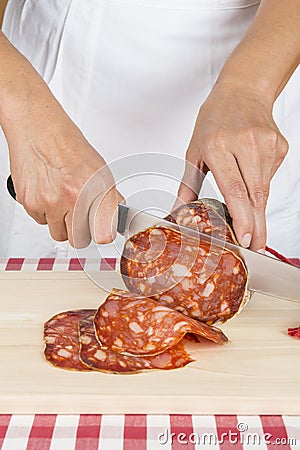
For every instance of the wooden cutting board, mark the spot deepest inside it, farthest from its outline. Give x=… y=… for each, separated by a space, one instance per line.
x=258 y=372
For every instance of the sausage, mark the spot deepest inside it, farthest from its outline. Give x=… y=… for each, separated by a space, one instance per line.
x=61 y=337
x=127 y=334
x=129 y=324
x=70 y=343
x=206 y=215
x=201 y=280
x=103 y=359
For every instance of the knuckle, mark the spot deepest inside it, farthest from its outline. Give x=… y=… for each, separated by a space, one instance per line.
x=36 y=215
x=271 y=138
x=32 y=209
x=49 y=201
x=283 y=148
x=40 y=220
x=258 y=196
x=215 y=142
x=58 y=236
x=250 y=136
x=261 y=136
x=267 y=134
x=266 y=192
x=70 y=192
x=237 y=189
x=103 y=238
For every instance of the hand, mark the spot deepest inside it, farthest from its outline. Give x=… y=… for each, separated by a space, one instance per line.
x=237 y=139
x=55 y=169
x=58 y=176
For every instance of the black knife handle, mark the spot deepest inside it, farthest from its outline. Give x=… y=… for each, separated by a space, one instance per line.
x=10 y=187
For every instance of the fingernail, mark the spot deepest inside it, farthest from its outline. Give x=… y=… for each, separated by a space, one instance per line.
x=261 y=250
x=246 y=239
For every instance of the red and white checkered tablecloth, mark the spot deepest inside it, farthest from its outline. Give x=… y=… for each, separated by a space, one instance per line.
x=151 y=432
x=138 y=432
x=63 y=264
x=57 y=264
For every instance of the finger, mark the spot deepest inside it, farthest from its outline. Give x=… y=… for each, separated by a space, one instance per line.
x=191 y=183
x=259 y=237
x=36 y=214
x=78 y=229
x=77 y=221
x=257 y=180
x=103 y=217
x=231 y=184
x=57 y=229
x=275 y=155
x=38 y=217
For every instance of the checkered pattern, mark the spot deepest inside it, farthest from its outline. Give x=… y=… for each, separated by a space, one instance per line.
x=58 y=264
x=138 y=432
x=63 y=264
x=153 y=432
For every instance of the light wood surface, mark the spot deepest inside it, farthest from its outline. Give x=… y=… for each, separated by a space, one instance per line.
x=258 y=372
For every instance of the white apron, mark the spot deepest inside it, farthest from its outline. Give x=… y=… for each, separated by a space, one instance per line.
x=132 y=74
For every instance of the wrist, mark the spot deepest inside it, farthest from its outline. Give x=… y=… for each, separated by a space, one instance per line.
x=242 y=85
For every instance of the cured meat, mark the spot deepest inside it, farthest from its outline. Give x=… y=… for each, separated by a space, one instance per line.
x=71 y=344
x=159 y=256
x=206 y=215
x=96 y=357
x=127 y=323
x=294 y=332
x=62 y=339
x=127 y=334
x=199 y=279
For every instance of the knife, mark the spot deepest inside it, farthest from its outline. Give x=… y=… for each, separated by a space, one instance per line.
x=266 y=274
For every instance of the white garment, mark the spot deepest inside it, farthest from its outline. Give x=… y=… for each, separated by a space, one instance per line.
x=132 y=75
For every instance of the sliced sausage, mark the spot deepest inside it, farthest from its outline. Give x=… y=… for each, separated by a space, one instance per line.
x=127 y=323
x=61 y=337
x=104 y=359
x=201 y=280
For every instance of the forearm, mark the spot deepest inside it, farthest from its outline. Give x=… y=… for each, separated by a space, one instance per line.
x=269 y=53
x=23 y=94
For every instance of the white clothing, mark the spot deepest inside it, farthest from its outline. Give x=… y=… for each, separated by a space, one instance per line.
x=132 y=75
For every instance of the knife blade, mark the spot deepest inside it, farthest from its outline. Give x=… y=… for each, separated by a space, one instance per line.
x=266 y=274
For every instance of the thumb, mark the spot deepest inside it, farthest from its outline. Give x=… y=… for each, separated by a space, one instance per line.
x=103 y=217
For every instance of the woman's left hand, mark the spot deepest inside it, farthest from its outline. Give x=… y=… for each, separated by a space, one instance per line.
x=236 y=138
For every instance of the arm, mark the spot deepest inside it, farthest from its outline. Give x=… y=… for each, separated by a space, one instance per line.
x=235 y=135
x=50 y=159
x=270 y=51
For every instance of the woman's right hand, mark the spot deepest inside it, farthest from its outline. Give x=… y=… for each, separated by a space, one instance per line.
x=56 y=174
x=53 y=167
